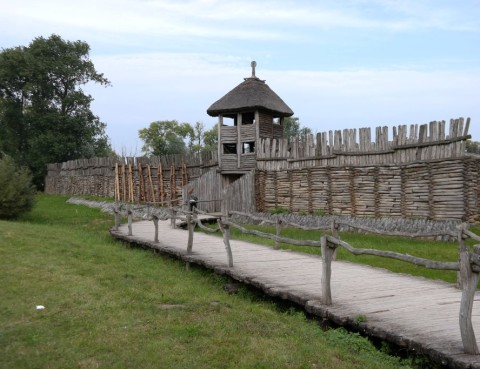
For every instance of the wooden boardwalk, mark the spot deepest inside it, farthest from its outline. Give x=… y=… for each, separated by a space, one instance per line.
x=412 y=312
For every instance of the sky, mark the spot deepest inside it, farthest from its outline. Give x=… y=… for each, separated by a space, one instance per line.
x=336 y=63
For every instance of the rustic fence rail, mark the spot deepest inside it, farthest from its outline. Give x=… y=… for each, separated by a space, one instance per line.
x=468 y=264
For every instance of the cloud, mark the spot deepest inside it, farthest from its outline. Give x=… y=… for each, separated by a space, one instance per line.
x=165 y=86
x=167 y=20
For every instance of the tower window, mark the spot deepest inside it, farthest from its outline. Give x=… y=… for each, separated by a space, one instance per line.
x=248 y=118
x=229 y=148
x=248 y=147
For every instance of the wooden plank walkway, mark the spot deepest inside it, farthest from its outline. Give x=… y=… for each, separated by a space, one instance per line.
x=412 y=312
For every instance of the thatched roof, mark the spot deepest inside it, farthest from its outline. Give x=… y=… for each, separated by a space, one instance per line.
x=252 y=94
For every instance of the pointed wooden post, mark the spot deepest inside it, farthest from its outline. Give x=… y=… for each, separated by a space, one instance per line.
x=124 y=183
x=117 y=183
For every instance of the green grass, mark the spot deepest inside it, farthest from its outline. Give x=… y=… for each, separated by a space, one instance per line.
x=435 y=250
x=111 y=306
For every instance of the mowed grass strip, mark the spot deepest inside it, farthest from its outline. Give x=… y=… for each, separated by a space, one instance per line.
x=111 y=306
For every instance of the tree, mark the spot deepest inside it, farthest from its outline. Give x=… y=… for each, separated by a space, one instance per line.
x=203 y=140
x=210 y=139
x=473 y=147
x=165 y=137
x=196 y=139
x=45 y=115
x=292 y=128
x=16 y=190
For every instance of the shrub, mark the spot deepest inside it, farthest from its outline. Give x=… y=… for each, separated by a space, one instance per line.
x=17 y=193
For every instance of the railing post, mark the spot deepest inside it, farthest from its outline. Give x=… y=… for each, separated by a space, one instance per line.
x=155 y=223
x=130 y=216
x=469 y=281
x=461 y=248
x=190 y=233
x=327 y=254
x=226 y=240
x=172 y=219
x=278 y=228
x=335 y=227
x=116 y=210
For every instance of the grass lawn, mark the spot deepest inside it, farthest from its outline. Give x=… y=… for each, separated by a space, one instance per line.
x=110 y=306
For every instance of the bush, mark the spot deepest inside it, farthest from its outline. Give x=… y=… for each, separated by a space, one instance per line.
x=17 y=192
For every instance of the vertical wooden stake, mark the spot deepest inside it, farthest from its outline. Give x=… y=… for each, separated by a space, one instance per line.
x=155 y=223
x=190 y=233
x=130 y=223
x=124 y=183
x=327 y=254
x=469 y=283
x=160 y=183
x=130 y=183
x=150 y=183
x=141 y=184
x=117 y=184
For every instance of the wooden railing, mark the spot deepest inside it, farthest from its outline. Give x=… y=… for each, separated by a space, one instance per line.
x=468 y=263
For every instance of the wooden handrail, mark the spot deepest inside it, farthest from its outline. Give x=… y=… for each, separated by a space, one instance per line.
x=468 y=264
x=427 y=263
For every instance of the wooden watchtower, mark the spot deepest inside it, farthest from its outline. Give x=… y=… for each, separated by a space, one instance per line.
x=248 y=113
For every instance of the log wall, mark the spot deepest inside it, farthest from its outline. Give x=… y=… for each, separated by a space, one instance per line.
x=437 y=190
x=156 y=179
x=420 y=172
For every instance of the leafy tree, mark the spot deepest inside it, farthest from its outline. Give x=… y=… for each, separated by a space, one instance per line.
x=16 y=190
x=165 y=137
x=45 y=115
x=203 y=140
x=197 y=136
x=210 y=139
x=473 y=147
x=292 y=128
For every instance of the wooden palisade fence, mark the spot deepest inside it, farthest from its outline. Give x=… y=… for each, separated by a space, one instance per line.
x=468 y=264
x=420 y=171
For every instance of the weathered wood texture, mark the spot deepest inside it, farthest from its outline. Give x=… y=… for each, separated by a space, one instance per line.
x=156 y=179
x=421 y=172
x=210 y=187
x=341 y=148
x=428 y=309
x=438 y=190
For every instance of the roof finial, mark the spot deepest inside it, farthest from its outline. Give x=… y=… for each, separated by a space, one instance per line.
x=253 y=64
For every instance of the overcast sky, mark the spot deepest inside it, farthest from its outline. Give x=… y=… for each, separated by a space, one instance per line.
x=337 y=64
